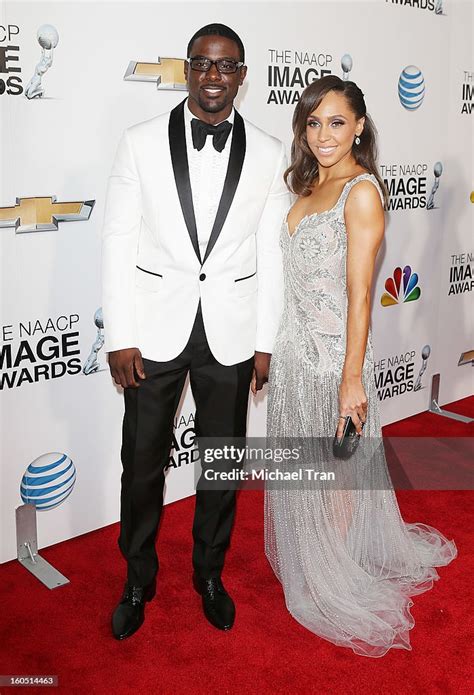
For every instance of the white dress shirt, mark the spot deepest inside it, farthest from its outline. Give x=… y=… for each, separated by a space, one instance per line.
x=207 y=170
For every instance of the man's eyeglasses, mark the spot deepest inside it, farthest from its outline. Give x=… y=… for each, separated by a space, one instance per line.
x=225 y=65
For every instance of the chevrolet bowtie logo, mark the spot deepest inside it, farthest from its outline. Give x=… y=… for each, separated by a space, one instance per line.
x=466 y=358
x=43 y=214
x=167 y=73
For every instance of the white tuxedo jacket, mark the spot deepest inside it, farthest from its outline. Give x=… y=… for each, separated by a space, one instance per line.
x=152 y=273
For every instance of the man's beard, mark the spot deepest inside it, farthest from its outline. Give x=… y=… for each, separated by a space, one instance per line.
x=213 y=106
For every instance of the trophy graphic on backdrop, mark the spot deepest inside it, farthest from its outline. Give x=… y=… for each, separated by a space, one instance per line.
x=48 y=39
x=346 y=65
x=437 y=170
x=92 y=364
x=439 y=7
x=425 y=353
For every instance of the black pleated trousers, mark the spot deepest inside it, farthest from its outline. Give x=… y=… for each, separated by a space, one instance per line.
x=221 y=396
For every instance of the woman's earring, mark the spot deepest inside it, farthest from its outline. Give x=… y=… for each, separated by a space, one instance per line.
x=357 y=140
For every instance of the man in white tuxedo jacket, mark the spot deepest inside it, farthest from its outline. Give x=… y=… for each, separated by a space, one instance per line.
x=192 y=283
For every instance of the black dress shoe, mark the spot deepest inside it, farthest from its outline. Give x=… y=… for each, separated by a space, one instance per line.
x=130 y=612
x=218 y=606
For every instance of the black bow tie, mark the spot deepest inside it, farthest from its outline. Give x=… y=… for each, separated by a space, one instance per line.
x=201 y=130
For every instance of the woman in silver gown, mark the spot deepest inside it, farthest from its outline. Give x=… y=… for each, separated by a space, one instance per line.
x=347 y=561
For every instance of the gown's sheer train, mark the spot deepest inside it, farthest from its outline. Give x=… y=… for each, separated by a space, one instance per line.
x=347 y=561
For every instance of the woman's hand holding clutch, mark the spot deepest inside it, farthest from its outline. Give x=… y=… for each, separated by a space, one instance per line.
x=353 y=402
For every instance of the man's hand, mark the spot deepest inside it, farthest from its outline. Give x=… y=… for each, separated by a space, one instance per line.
x=126 y=366
x=260 y=371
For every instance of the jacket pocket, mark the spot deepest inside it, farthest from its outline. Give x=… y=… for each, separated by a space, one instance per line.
x=246 y=285
x=147 y=279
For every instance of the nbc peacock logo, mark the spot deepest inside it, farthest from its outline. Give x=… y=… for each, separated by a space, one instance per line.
x=402 y=287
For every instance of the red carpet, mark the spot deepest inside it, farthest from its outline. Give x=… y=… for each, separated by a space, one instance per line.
x=432 y=452
x=66 y=632
x=431 y=425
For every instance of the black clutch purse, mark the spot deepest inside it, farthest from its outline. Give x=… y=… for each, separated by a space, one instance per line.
x=345 y=447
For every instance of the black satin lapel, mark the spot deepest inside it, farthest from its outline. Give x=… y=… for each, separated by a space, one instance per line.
x=234 y=169
x=179 y=158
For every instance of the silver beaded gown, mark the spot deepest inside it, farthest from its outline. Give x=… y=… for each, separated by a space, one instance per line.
x=347 y=561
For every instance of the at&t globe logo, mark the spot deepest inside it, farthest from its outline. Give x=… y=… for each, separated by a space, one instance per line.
x=411 y=88
x=48 y=480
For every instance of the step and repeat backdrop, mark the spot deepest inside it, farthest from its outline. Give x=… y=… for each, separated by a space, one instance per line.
x=73 y=76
